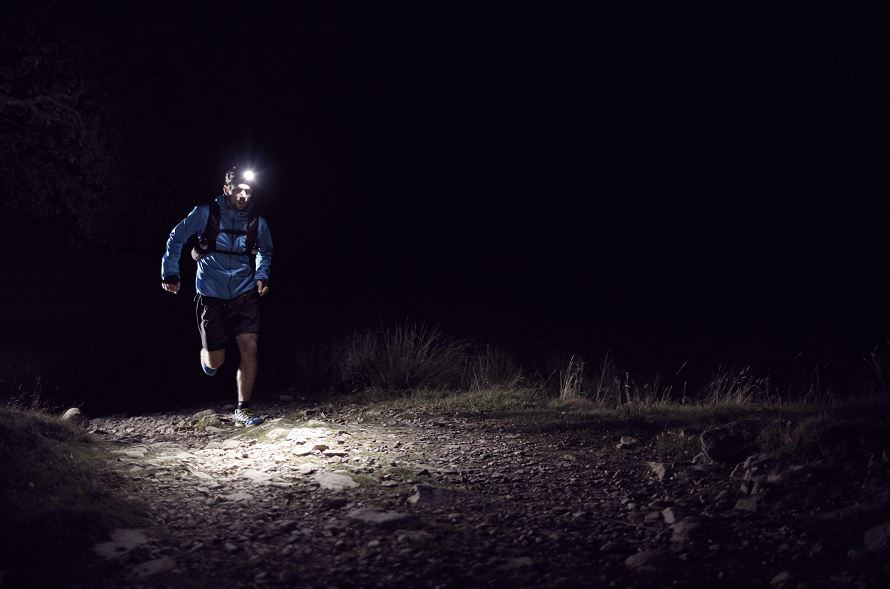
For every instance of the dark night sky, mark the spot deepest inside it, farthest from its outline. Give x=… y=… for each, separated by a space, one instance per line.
x=702 y=172
x=635 y=168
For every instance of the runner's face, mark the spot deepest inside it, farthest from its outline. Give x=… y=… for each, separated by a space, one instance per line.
x=238 y=196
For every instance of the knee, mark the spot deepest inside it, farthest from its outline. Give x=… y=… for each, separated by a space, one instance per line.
x=248 y=344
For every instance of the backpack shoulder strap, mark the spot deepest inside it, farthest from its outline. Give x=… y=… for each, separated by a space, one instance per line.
x=207 y=241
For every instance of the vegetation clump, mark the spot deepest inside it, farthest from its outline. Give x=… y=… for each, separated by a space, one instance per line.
x=57 y=497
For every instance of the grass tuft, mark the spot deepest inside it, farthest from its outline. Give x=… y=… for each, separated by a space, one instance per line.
x=57 y=496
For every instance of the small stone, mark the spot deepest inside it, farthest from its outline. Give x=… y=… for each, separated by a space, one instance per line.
x=307 y=468
x=288 y=576
x=685 y=530
x=237 y=497
x=659 y=469
x=877 y=539
x=411 y=535
x=650 y=561
x=334 y=482
x=426 y=495
x=334 y=502
x=230 y=548
x=626 y=442
x=780 y=578
x=373 y=515
x=154 y=567
x=673 y=515
x=75 y=416
x=750 y=504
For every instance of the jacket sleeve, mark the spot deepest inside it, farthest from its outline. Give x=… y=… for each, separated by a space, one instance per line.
x=264 y=256
x=195 y=222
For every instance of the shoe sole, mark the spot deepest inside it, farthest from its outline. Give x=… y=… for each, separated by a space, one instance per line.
x=248 y=425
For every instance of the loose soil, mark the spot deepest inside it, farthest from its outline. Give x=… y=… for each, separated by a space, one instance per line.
x=495 y=507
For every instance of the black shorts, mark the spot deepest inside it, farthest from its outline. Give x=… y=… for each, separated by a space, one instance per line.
x=219 y=320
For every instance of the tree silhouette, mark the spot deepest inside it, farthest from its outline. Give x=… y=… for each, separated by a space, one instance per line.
x=76 y=136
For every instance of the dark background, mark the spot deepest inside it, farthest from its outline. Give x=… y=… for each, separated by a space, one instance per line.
x=662 y=183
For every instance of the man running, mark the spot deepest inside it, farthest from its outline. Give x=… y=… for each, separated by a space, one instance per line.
x=234 y=258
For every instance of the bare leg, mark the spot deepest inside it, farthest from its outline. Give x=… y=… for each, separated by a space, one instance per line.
x=247 y=344
x=213 y=359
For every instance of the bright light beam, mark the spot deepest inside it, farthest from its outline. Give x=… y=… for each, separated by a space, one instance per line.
x=248 y=175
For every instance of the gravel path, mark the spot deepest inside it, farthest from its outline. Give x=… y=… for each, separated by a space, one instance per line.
x=413 y=500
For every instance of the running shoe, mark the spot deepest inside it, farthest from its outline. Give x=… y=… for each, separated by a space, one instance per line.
x=246 y=418
x=207 y=371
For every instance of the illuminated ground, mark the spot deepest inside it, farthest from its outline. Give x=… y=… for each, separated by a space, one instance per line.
x=257 y=508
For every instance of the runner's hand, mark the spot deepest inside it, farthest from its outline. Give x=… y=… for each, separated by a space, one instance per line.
x=174 y=288
x=261 y=287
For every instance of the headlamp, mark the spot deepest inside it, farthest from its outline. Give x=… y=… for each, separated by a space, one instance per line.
x=237 y=176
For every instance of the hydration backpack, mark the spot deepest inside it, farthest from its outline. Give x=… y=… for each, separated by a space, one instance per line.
x=207 y=242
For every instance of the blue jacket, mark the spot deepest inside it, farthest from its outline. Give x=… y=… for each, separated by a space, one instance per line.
x=221 y=275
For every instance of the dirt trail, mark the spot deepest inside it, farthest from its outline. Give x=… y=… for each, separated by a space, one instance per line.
x=423 y=501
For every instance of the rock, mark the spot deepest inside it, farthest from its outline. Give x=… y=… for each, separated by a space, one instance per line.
x=673 y=515
x=230 y=548
x=877 y=539
x=411 y=535
x=781 y=578
x=730 y=440
x=752 y=503
x=649 y=561
x=236 y=497
x=122 y=542
x=758 y=460
x=659 y=469
x=256 y=476
x=335 y=502
x=74 y=416
x=154 y=567
x=307 y=468
x=686 y=530
x=334 y=482
x=278 y=432
x=315 y=423
x=287 y=576
x=862 y=511
x=426 y=495
x=373 y=515
x=701 y=459
x=626 y=442
x=282 y=526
